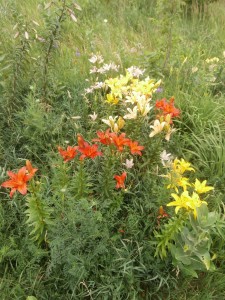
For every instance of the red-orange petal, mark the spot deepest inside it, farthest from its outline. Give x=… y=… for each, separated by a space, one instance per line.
x=22 y=174
x=22 y=189
x=12 y=192
x=9 y=184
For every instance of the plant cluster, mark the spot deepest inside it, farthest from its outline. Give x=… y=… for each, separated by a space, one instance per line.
x=73 y=184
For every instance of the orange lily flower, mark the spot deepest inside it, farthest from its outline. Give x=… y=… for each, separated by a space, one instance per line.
x=119 y=141
x=30 y=170
x=160 y=104
x=90 y=151
x=18 y=181
x=168 y=107
x=120 y=180
x=81 y=142
x=104 y=137
x=69 y=153
x=135 y=148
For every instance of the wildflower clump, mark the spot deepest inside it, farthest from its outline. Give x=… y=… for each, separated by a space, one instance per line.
x=187 y=194
x=187 y=235
x=133 y=93
x=131 y=97
x=117 y=143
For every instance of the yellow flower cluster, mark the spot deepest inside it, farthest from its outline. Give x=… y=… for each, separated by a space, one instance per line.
x=190 y=203
x=131 y=91
x=187 y=198
x=118 y=86
x=123 y=86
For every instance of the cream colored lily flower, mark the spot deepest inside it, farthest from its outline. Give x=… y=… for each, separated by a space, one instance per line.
x=134 y=96
x=115 y=126
x=169 y=132
x=144 y=108
x=93 y=116
x=111 y=121
x=157 y=127
x=132 y=113
x=166 y=158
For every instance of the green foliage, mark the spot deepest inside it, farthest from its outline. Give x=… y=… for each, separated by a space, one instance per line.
x=168 y=235
x=81 y=185
x=201 y=6
x=39 y=214
x=190 y=243
x=207 y=150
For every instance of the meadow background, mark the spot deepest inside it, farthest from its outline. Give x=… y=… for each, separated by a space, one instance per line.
x=74 y=253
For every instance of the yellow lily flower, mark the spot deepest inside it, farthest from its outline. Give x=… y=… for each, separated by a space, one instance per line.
x=201 y=187
x=177 y=180
x=190 y=203
x=180 y=201
x=195 y=202
x=120 y=123
x=111 y=98
x=181 y=166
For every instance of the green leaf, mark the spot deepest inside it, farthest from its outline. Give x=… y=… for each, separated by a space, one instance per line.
x=189 y=271
x=2 y=57
x=179 y=255
x=206 y=259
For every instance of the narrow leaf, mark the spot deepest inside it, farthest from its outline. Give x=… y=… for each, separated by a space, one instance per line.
x=26 y=35
x=36 y=23
x=16 y=35
x=77 y=6
x=48 y=5
x=73 y=17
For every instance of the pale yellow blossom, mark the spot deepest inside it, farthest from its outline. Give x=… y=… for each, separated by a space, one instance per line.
x=157 y=127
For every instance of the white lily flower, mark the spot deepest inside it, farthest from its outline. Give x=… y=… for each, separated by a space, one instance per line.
x=115 y=126
x=88 y=91
x=129 y=163
x=133 y=97
x=135 y=71
x=94 y=70
x=166 y=158
x=98 y=85
x=94 y=116
x=96 y=58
